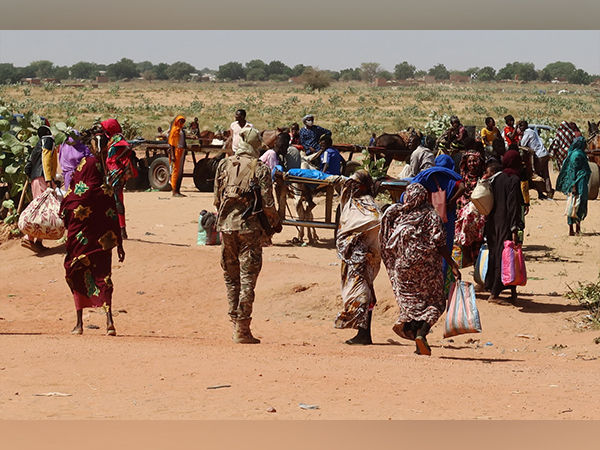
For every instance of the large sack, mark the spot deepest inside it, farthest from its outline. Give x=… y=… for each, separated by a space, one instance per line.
x=482 y=197
x=41 y=218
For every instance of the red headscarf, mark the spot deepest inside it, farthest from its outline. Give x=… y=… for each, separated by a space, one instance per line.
x=512 y=162
x=112 y=127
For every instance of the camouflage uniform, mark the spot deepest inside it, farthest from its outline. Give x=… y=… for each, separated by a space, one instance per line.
x=241 y=239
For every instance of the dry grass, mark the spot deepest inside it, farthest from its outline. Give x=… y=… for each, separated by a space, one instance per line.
x=352 y=110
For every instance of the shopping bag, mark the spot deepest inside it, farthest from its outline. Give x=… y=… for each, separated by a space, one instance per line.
x=572 y=205
x=482 y=196
x=481 y=266
x=41 y=218
x=438 y=200
x=462 y=315
x=520 y=271
x=508 y=263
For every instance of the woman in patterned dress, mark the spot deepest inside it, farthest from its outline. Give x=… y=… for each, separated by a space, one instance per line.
x=358 y=247
x=413 y=243
x=89 y=211
x=470 y=224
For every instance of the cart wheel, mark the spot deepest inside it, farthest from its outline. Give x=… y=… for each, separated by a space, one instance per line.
x=204 y=177
x=159 y=174
x=351 y=167
x=594 y=183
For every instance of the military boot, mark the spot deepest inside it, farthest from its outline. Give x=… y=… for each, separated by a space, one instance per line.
x=242 y=334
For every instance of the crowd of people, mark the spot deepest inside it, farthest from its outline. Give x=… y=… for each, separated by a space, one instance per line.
x=423 y=240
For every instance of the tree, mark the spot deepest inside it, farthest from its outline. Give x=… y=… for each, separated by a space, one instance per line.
x=420 y=74
x=486 y=73
x=579 y=76
x=440 y=72
x=231 y=71
x=42 y=69
x=350 y=75
x=161 y=71
x=316 y=79
x=557 y=69
x=404 y=70
x=62 y=73
x=507 y=72
x=298 y=70
x=517 y=70
x=125 y=68
x=525 y=71
x=256 y=74
x=144 y=66
x=9 y=73
x=84 y=69
x=180 y=70
x=255 y=64
x=386 y=75
x=369 y=70
x=149 y=75
x=277 y=68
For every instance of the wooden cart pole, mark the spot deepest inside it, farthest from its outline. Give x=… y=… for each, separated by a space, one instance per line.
x=22 y=199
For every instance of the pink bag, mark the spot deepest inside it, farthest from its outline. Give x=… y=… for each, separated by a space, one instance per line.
x=513 y=265
x=438 y=200
x=520 y=271
x=41 y=218
x=462 y=314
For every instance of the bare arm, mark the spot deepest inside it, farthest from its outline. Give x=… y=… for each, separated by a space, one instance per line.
x=443 y=250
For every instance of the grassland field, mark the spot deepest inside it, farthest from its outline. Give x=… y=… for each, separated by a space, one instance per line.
x=351 y=110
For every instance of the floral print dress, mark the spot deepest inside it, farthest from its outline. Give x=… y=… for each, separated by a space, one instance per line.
x=90 y=215
x=410 y=236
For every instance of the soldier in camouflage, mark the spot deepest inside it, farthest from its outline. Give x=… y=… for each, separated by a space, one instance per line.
x=242 y=234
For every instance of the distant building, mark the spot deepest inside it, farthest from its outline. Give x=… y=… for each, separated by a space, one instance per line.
x=455 y=78
x=102 y=79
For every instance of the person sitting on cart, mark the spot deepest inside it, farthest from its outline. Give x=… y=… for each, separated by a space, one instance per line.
x=288 y=154
x=195 y=128
x=331 y=160
x=310 y=135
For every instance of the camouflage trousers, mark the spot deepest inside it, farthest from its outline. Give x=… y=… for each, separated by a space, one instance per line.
x=241 y=260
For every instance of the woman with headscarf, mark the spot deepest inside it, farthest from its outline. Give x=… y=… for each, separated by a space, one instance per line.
x=443 y=176
x=89 y=211
x=503 y=222
x=177 y=148
x=413 y=243
x=565 y=135
x=70 y=154
x=118 y=165
x=41 y=169
x=573 y=179
x=470 y=223
x=357 y=245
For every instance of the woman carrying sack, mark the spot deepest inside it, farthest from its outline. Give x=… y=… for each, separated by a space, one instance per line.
x=573 y=182
x=41 y=169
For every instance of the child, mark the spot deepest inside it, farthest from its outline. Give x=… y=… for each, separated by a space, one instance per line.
x=331 y=160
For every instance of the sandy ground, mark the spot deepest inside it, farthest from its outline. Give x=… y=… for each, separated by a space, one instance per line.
x=532 y=361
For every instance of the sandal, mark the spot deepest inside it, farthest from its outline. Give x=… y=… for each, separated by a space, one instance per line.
x=111 y=331
x=422 y=346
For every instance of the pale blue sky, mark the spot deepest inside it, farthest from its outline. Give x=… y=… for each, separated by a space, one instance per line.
x=334 y=50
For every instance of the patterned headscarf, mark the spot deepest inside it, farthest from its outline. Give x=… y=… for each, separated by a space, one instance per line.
x=414 y=197
x=464 y=169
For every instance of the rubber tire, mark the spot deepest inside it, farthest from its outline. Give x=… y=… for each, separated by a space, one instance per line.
x=204 y=178
x=159 y=174
x=594 y=183
x=351 y=167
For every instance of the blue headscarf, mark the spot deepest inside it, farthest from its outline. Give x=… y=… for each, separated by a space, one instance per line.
x=443 y=172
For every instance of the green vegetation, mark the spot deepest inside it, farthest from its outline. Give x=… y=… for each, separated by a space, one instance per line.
x=588 y=295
